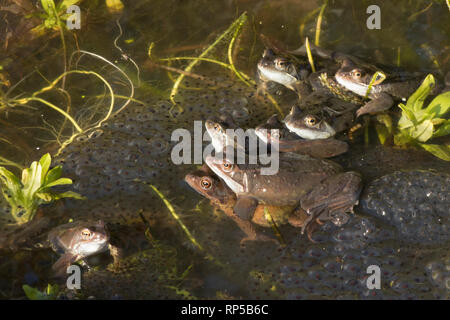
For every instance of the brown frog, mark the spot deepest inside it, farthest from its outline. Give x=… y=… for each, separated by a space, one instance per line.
x=206 y=183
x=317 y=186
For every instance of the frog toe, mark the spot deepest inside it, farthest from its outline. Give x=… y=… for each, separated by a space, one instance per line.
x=382 y=102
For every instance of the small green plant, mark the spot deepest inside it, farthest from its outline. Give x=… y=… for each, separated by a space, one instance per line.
x=54 y=13
x=26 y=195
x=418 y=125
x=50 y=292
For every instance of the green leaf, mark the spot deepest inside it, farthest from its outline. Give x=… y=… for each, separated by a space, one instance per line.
x=416 y=100
x=48 y=6
x=12 y=183
x=63 y=5
x=440 y=105
x=45 y=196
x=59 y=182
x=34 y=294
x=423 y=131
x=53 y=175
x=440 y=151
x=407 y=119
x=402 y=138
x=68 y=194
x=382 y=133
x=443 y=129
x=31 y=179
x=45 y=162
x=52 y=291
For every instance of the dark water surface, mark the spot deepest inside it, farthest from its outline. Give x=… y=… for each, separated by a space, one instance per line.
x=402 y=221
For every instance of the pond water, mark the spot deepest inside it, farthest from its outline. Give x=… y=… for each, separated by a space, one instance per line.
x=176 y=244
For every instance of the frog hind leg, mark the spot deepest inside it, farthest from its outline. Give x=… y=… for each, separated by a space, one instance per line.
x=333 y=198
x=380 y=102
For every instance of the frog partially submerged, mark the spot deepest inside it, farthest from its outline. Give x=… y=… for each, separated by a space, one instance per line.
x=206 y=183
x=357 y=79
x=317 y=186
x=78 y=240
x=291 y=142
x=281 y=70
x=308 y=126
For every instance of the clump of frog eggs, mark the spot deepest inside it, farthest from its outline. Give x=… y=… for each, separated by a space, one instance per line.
x=135 y=145
x=336 y=267
x=415 y=202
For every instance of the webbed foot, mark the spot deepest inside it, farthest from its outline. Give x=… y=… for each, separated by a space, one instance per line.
x=380 y=102
x=332 y=199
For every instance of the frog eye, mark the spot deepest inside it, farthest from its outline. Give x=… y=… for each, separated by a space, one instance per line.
x=310 y=121
x=356 y=73
x=280 y=63
x=227 y=166
x=86 y=233
x=217 y=127
x=206 y=183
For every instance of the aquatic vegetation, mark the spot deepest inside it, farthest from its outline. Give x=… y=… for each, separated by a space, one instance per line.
x=310 y=57
x=419 y=124
x=26 y=195
x=50 y=293
x=234 y=27
x=177 y=218
x=53 y=14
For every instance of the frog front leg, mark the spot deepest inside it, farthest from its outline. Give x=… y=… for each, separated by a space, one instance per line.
x=332 y=199
x=380 y=102
x=261 y=82
x=116 y=253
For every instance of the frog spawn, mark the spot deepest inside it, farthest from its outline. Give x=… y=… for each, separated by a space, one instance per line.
x=336 y=267
x=135 y=145
x=415 y=202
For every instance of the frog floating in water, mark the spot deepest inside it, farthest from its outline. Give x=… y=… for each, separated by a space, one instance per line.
x=317 y=186
x=206 y=183
x=382 y=95
x=291 y=142
x=78 y=240
x=320 y=106
x=283 y=71
x=287 y=142
x=355 y=75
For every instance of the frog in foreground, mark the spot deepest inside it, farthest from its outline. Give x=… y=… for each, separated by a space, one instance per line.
x=317 y=186
x=206 y=183
x=78 y=240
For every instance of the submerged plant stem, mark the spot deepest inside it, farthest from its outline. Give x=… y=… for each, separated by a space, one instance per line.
x=310 y=58
x=319 y=24
x=275 y=229
x=191 y=65
x=176 y=217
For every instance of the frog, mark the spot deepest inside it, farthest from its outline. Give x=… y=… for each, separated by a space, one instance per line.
x=319 y=187
x=282 y=70
x=382 y=94
x=217 y=129
x=291 y=142
x=78 y=240
x=209 y=185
